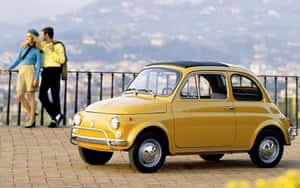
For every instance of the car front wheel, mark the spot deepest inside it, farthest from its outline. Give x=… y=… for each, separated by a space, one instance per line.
x=267 y=150
x=148 y=153
x=94 y=157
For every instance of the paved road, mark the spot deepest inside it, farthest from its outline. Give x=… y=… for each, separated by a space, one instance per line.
x=43 y=157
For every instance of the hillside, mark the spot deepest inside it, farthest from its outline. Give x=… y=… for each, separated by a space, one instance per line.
x=259 y=34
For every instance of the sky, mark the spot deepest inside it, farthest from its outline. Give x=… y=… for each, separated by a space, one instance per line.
x=22 y=12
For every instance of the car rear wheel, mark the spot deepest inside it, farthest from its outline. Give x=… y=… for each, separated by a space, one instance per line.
x=148 y=153
x=215 y=157
x=267 y=150
x=94 y=157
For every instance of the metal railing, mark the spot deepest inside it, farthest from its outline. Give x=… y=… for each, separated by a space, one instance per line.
x=84 y=87
x=75 y=89
x=275 y=84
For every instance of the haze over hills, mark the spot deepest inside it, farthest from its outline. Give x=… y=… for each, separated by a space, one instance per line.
x=259 y=34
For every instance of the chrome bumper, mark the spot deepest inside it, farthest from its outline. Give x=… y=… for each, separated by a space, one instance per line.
x=293 y=132
x=103 y=141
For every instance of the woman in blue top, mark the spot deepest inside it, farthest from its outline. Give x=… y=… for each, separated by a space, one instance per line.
x=30 y=60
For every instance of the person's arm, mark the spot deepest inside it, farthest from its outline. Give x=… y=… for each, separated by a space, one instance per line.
x=18 y=60
x=35 y=82
x=39 y=64
x=58 y=54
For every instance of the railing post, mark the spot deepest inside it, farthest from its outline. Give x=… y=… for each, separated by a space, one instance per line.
x=101 y=86
x=123 y=81
x=19 y=113
x=275 y=90
x=286 y=97
x=112 y=85
x=265 y=82
x=8 y=100
x=297 y=102
x=89 y=88
x=65 y=103
x=76 y=94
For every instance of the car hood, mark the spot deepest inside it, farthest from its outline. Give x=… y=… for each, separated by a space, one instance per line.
x=128 y=105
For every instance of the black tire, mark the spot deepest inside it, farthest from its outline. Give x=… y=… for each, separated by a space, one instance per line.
x=268 y=149
x=145 y=143
x=214 y=157
x=94 y=157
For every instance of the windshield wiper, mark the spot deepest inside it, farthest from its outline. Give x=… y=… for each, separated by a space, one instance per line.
x=130 y=89
x=147 y=91
x=134 y=90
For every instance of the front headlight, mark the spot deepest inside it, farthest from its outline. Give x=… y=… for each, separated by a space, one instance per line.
x=115 y=122
x=77 y=119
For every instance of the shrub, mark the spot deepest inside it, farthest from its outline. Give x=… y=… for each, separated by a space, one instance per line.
x=291 y=179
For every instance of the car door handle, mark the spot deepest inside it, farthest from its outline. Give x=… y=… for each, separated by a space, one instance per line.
x=229 y=108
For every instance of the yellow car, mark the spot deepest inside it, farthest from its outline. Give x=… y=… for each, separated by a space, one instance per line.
x=204 y=108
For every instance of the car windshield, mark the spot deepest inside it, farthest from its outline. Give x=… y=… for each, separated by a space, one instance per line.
x=156 y=81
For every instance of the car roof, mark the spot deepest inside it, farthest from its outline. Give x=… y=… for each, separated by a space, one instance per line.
x=188 y=64
x=201 y=65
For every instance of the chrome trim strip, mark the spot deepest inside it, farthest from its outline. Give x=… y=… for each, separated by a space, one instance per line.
x=103 y=141
x=201 y=151
x=229 y=108
x=91 y=129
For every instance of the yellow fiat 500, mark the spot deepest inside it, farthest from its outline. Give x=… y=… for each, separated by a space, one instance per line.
x=173 y=108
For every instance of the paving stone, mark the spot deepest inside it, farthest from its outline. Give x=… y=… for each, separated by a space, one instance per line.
x=44 y=158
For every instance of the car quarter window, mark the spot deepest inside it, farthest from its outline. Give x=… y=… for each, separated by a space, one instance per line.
x=245 y=89
x=189 y=90
x=212 y=86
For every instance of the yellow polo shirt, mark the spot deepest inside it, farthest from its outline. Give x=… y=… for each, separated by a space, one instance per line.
x=55 y=58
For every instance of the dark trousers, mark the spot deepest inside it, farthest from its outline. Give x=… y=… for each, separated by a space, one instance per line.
x=51 y=80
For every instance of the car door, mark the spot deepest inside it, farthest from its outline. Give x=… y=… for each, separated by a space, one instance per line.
x=203 y=113
x=250 y=107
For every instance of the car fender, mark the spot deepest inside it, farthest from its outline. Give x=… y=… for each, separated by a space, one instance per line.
x=265 y=124
x=134 y=133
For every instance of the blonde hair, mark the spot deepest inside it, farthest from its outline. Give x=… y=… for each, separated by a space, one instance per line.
x=36 y=40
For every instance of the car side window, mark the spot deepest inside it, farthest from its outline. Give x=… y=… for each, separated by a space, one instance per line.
x=245 y=89
x=189 y=90
x=212 y=86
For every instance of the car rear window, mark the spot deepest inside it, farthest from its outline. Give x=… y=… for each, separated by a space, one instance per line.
x=245 y=89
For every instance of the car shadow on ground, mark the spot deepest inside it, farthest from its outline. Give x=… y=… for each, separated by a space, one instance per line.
x=222 y=165
x=204 y=165
x=173 y=166
x=225 y=165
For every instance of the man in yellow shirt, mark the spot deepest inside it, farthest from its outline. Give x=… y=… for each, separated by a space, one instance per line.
x=52 y=59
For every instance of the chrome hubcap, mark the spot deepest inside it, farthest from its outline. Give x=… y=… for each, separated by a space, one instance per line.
x=150 y=153
x=269 y=149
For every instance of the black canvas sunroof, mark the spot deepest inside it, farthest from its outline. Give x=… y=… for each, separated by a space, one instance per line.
x=187 y=64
